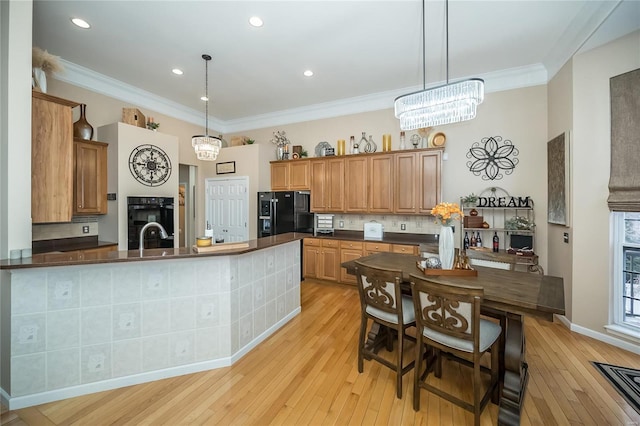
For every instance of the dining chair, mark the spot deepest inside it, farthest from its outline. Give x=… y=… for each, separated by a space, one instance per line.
x=448 y=321
x=382 y=301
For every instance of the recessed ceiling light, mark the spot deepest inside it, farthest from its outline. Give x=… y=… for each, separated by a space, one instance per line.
x=256 y=21
x=177 y=71
x=80 y=23
x=308 y=73
x=204 y=98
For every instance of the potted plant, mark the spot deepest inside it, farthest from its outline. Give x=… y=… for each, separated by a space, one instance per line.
x=470 y=200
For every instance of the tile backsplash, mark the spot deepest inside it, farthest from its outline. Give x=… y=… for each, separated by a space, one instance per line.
x=52 y=231
x=392 y=223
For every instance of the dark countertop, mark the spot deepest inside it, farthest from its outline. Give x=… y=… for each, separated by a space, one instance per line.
x=388 y=237
x=69 y=244
x=38 y=260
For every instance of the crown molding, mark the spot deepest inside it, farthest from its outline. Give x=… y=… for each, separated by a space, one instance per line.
x=88 y=79
x=77 y=75
x=589 y=19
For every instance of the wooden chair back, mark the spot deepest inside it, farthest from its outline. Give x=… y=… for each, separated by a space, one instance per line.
x=380 y=288
x=449 y=309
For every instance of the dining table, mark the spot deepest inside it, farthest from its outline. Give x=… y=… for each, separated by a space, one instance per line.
x=508 y=296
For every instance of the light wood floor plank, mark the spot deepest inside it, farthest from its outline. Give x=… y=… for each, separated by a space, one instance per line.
x=307 y=374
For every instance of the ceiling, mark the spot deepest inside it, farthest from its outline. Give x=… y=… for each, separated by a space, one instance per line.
x=363 y=53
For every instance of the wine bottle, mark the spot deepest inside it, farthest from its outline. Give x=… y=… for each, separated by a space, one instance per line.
x=466 y=240
x=473 y=240
x=478 y=240
x=496 y=242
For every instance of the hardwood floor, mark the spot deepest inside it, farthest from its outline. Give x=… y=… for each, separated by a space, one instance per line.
x=307 y=374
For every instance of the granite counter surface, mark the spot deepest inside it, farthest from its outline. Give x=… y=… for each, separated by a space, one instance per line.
x=39 y=260
x=388 y=237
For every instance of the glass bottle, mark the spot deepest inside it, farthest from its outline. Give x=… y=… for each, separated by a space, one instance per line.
x=496 y=242
x=371 y=145
x=466 y=240
x=478 y=240
x=472 y=242
x=403 y=145
x=362 y=145
x=352 y=145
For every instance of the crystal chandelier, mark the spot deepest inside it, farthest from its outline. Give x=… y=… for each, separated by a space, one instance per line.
x=450 y=103
x=206 y=147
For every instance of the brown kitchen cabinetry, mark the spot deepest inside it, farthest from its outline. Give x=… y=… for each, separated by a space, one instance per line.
x=356 y=183
x=51 y=158
x=90 y=183
x=321 y=259
x=349 y=250
x=290 y=175
x=327 y=185
x=417 y=183
x=381 y=178
x=371 y=247
x=404 y=249
x=85 y=254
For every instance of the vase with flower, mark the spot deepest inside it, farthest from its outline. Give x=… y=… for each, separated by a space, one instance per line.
x=445 y=214
x=281 y=142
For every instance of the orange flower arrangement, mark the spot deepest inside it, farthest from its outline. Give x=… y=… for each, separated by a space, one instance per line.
x=445 y=213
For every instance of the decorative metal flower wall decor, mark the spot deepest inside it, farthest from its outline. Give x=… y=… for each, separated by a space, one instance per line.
x=490 y=158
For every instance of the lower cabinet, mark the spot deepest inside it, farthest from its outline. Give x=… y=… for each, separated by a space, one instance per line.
x=322 y=257
x=77 y=254
x=349 y=250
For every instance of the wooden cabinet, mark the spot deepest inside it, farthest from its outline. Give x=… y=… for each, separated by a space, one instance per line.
x=94 y=252
x=290 y=175
x=76 y=254
x=356 y=183
x=404 y=249
x=429 y=175
x=327 y=185
x=51 y=158
x=321 y=259
x=90 y=183
x=417 y=184
x=381 y=179
x=371 y=247
x=349 y=250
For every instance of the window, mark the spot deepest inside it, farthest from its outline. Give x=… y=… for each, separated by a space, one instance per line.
x=627 y=270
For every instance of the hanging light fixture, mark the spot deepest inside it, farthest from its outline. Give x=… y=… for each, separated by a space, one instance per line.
x=450 y=103
x=206 y=147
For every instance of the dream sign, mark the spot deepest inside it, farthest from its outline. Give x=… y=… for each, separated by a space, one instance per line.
x=509 y=202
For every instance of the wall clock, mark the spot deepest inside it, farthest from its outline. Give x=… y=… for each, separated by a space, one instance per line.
x=150 y=165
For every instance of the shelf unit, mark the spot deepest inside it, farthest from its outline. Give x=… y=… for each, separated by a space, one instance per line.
x=506 y=215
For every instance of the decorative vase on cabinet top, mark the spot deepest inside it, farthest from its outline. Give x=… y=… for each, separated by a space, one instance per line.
x=81 y=128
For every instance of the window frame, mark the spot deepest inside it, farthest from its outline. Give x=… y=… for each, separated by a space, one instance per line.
x=617 y=305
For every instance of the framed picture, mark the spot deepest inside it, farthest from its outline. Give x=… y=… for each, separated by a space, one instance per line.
x=224 y=168
x=558 y=180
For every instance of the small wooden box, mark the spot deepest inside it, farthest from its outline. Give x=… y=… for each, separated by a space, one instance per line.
x=134 y=117
x=473 y=221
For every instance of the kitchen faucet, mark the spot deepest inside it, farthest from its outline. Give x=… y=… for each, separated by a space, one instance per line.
x=163 y=233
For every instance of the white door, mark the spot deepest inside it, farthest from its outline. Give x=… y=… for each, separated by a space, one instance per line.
x=227 y=208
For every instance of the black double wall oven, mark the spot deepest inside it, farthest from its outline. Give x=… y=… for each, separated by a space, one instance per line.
x=142 y=210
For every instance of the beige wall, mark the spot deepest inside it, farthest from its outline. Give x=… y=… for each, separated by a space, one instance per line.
x=560 y=120
x=592 y=275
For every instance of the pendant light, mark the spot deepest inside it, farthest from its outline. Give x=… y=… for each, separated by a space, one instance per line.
x=446 y=104
x=206 y=147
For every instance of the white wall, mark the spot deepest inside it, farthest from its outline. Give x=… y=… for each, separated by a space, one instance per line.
x=15 y=139
x=592 y=250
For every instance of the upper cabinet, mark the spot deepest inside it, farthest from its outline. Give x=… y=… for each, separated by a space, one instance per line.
x=67 y=177
x=381 y=178
x=90 y=184
x=327 y=185
x=291 y=175
x=51 y=158
x=356 y=183
x=417 y=183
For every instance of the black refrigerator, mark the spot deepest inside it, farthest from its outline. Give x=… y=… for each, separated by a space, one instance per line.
x=284 y=211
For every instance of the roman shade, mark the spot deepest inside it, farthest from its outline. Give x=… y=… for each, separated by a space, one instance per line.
x=624 y=181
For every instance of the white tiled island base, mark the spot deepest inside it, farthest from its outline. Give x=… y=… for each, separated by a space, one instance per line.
x=72 y=330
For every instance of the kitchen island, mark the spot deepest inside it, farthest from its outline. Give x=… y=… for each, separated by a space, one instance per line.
x=69 y=328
